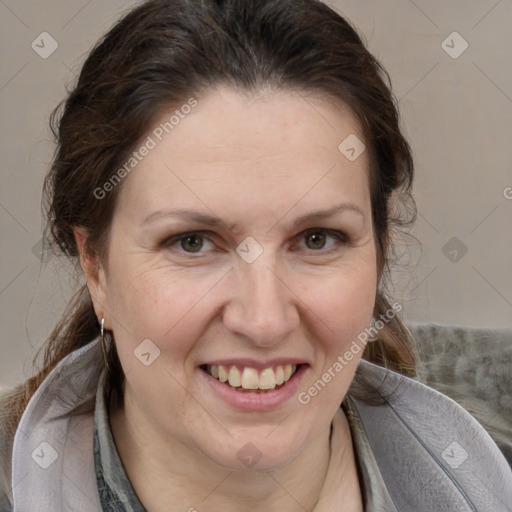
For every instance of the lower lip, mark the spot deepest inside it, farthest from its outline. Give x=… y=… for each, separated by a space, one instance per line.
x=250 y=402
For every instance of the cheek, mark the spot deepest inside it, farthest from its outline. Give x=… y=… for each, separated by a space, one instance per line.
x=343 y=302
x=341 y=310
x=156 y=326
x=160 y=306
x=349 y=315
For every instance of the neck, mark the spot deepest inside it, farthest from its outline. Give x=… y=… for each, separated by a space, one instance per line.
x=162 y=472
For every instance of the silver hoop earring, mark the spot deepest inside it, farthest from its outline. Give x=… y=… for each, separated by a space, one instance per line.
x=103 y=343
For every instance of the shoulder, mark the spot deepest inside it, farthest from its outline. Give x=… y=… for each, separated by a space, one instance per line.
x=430 y=451
x=471 y=365
x=6 y=445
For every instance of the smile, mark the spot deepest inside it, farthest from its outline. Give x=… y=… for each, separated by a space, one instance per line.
x=248 y=379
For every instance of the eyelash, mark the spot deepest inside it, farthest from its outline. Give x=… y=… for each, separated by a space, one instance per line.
x=340 y=236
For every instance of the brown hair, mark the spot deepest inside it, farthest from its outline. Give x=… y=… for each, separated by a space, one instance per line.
x=162 y=53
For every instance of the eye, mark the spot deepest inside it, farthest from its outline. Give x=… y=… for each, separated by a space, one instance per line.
x=188 y=242
x=317 y=239
x=192 y=243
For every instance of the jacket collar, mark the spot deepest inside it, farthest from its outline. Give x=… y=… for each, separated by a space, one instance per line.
x=53 y=460
x=53 y=454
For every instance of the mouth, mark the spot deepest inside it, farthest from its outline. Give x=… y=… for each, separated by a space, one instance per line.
x=246 y=379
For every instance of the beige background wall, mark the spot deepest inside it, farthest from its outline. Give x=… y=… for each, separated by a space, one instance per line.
x=457 y=112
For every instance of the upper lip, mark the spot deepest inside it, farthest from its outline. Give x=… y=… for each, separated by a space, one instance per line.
x=254 y=363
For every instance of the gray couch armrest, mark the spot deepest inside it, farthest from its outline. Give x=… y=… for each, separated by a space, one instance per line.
x=473 y=366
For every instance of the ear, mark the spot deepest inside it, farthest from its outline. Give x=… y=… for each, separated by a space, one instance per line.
x=95 y=276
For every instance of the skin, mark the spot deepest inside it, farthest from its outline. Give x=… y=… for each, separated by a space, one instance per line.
x=261 y=160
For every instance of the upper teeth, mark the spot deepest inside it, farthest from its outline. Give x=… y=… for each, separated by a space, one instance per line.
x=248 y=378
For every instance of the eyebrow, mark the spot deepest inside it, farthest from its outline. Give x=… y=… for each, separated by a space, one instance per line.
x=324 y=214
x=216 y=222
x=185 y=213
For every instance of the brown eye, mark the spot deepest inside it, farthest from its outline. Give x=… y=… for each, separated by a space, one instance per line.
x=323 y=241
x=315 y=240
x=188 y=243
x=191 y=243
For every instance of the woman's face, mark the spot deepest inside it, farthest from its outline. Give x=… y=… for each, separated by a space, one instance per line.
x=242 y=239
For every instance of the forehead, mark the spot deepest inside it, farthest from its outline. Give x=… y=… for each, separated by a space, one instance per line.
x=233 y=149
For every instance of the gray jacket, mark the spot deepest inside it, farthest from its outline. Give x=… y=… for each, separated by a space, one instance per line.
x=417 y=452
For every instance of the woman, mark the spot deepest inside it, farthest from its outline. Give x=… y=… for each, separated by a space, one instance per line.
x=227 y=175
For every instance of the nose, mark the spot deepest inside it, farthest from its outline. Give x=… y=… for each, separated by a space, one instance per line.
x=263 y=307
